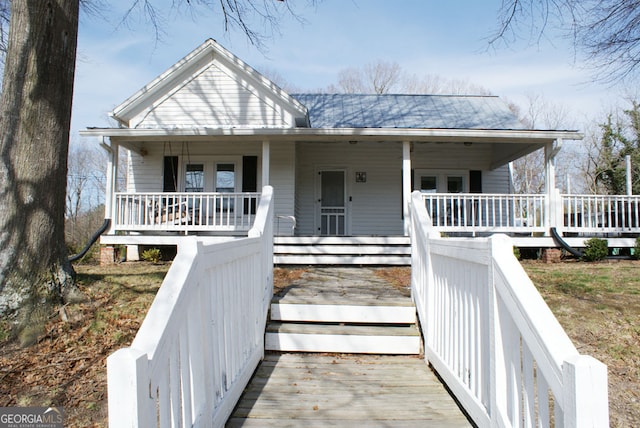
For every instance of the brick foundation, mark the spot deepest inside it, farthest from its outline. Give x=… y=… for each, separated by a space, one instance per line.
x=551 y=255
x=107 y=255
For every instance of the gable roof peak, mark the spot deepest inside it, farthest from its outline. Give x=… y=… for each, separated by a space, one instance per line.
x=210 y=50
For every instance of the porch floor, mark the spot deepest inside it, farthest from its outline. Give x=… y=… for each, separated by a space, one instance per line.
x=345 y=390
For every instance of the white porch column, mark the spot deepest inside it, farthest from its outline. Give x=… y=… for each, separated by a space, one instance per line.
x=406 y=184
x=112 y=180
x=554 y=205
x=266 y=154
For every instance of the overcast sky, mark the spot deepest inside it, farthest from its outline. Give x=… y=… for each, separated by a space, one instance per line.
x=435 y=37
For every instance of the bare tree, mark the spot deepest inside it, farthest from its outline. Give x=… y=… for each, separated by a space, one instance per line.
x=438 y=85
x=4 y=25
x=529 y=171
x=35 y=116
x=257 y=19
x=606 y=31
x=379 y=77
x=86 y=178
x=383 y=77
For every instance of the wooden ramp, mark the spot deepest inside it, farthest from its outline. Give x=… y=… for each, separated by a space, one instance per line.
x=340 y=390
x=345 y=317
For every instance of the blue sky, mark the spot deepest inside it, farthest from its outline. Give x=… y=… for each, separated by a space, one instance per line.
x=449 y=39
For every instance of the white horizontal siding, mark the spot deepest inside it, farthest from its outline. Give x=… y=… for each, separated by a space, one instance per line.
x=457 y=156
x=375 y=208
x=145 y=173
x=451 y=156
x=496 y=181
x=215 y=97
x=282 y=178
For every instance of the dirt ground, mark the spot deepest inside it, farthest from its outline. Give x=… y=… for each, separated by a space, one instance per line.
x=598 y=304
x=67 y=367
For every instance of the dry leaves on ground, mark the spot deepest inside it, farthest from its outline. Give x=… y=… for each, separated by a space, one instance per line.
x=67 y=367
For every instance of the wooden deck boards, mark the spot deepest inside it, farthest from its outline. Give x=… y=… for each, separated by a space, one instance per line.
x=343 y=285
x=319 y=390
x=345 y=390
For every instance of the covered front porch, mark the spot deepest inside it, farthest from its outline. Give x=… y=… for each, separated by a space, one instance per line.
x=460 y=213
x=322 y=188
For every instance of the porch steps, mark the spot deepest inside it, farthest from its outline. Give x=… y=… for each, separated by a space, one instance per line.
x=343 y=338
x=347 y=250
x=343 y=314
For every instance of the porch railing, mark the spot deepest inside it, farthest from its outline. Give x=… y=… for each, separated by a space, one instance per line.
x=601 y=213
x=512 y=213
x=492 y=338
x=486 y=212
x=185 y=211
x=203 y=336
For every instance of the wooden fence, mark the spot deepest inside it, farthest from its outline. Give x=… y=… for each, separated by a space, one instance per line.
x=203 y=336
x=492 y=338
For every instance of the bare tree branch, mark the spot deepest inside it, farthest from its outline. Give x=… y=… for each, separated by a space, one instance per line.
x=607 y=32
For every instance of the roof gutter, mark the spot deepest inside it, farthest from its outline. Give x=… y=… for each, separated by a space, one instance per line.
x=338 y=134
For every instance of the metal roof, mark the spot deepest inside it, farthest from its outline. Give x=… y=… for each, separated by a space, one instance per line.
x=408 y=111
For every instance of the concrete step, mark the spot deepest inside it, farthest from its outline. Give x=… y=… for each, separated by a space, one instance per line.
x=396 y=339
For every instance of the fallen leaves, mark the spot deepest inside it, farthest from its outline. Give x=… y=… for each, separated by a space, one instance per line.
x=67 y=365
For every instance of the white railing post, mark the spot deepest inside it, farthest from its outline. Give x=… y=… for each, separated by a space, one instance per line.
x=406 y=185
x=585 y=392
x=497 y=376
x=263 y=228
x=558 y=211
x=130 y=404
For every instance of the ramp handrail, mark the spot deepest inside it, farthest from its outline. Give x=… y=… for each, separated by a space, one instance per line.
x=203 y=335
x=492 y=338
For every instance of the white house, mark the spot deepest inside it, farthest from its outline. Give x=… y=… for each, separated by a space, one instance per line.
x=206 y=135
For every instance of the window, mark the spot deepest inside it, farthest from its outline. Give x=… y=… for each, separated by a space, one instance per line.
x=455 y=184
x=429 y=184
x=441 y=181
x=194 y=178
x=226 y=183
x=209 y=174
x=225 y=177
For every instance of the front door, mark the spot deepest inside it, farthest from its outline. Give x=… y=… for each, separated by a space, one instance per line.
x=333 y=218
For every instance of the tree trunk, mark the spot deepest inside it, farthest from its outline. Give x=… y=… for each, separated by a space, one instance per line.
x=34 y=131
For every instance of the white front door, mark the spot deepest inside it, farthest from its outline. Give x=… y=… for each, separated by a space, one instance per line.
x=332 y=203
